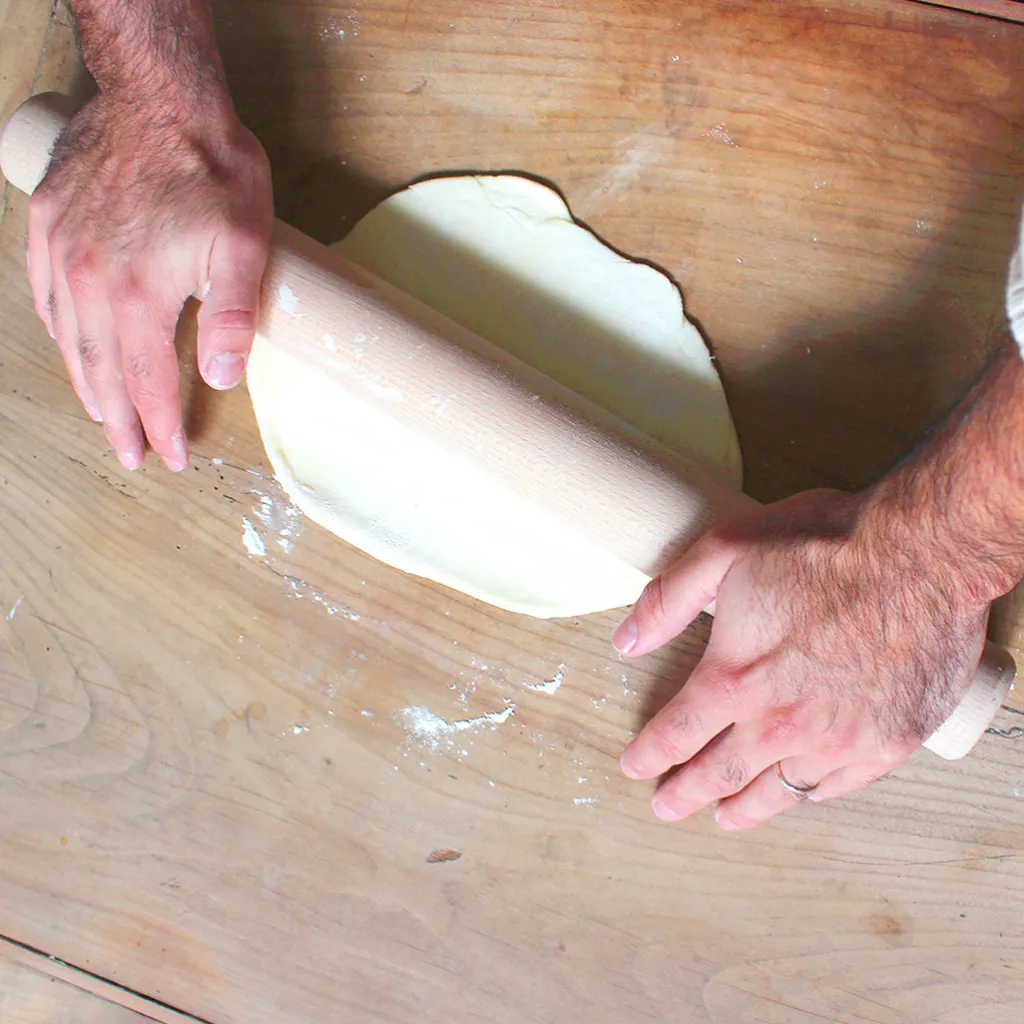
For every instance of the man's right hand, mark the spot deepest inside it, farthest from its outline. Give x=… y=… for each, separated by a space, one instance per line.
x=142 y=207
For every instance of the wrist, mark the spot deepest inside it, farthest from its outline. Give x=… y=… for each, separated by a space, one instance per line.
x=166 y=119
x=956 y=542
x=157 y=54
x=955 y=508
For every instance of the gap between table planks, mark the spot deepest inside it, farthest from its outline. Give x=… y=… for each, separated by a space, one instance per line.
x=1010 y=10
x=38 y=989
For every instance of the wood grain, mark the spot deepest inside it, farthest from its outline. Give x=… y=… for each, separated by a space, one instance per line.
x=28 y=997
x=211 y=793
x=35 y=989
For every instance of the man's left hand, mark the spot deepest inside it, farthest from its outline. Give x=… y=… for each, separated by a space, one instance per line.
x=840 y=642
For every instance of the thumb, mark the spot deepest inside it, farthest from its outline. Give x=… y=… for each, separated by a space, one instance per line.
x=674 y=599
x=227 y=319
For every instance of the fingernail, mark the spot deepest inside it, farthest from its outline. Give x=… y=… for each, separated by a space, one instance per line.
x=725 y=822
x=179 y=460
x=625 y=637
x=224 y=371
x=130 y=459
x=627 y=768
x=93 y=410
x=663 y=811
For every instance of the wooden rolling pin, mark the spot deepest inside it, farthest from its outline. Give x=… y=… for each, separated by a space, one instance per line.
x=627 y=493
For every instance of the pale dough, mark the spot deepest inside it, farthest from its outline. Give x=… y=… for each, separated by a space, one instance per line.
x=502 y=255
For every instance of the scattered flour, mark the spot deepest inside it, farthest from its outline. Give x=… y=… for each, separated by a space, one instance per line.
x=438 y=733
x=332 y=30
x=301 y=590
x=550 y=685
x=719 y=132
x=15 y=607
x=252 y=540
x=283 y=520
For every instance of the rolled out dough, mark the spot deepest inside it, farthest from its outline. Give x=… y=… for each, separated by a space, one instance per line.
x=501 y=255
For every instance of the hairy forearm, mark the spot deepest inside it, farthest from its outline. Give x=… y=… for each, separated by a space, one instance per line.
x=955 y=508
x=152 y=50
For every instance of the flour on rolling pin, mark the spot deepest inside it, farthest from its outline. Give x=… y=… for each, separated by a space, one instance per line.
x=502 y=256
x=288 y=301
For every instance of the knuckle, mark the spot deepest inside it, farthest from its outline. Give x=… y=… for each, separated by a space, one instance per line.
x=82 y=273
x=90 y=351
x=130 y=295
x=893 y=757
x=248 y=244
x=138 y=365
x=236 y=318
x=678 y=719
x=122 y=435
x=732 y=689
x=669 y=748
x=728 y=776
x=138 y=298
x=719 y=540
x=651 y=603
x=40 y=211
x=148 y=390
x=836 y=742
x=61 y=250
x=780 y=726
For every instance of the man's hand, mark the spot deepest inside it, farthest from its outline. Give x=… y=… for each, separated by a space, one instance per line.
x=155 y=192
x=846 y=628
x=833 y=652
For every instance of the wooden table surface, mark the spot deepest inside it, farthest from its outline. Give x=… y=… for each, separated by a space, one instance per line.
x=209 y=793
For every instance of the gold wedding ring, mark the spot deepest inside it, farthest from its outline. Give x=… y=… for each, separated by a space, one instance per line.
x=799 y=792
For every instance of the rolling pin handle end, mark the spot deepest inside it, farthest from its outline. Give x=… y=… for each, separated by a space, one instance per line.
x=28 y=138
x=958 y=734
